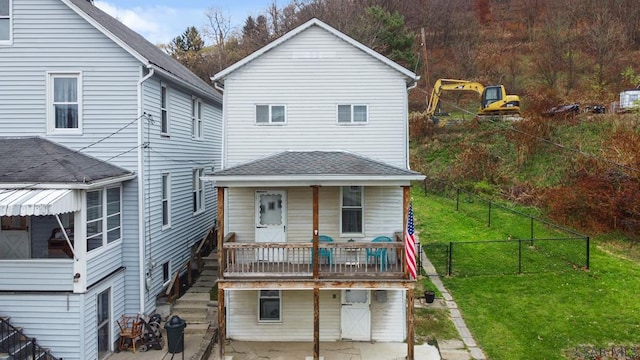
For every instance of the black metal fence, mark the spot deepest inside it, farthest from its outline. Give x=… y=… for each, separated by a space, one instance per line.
x=532 y=244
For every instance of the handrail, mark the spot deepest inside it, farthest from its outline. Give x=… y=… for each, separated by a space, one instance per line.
x=21 y=346
x=173 y=289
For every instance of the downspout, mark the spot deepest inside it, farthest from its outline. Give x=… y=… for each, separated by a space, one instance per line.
x=141 y=220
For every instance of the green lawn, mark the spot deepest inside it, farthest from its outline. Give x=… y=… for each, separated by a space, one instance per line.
x=536 y=315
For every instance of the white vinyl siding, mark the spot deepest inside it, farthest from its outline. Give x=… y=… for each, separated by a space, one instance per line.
x=6 y=23
x=64 y=103
x=382 y=215
x=353 y=114
x=312 y=88
x=271 y=114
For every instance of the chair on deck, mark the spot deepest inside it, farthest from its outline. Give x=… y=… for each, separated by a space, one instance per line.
x=130 y=329
x=379 y=254
x=324 y=253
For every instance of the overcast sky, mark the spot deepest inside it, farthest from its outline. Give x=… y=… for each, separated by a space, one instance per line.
x=162 y=20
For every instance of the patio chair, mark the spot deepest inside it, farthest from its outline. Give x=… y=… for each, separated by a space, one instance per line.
x=379 y=254
x=324 y=253
x=131 y=330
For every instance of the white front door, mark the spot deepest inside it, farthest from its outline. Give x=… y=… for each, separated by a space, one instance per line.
x=355 y=315
x=271 y=222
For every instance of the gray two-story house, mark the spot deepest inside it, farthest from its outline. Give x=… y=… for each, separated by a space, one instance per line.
x=103 y=142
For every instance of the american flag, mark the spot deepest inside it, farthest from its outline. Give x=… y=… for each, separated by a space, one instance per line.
x=409 y=245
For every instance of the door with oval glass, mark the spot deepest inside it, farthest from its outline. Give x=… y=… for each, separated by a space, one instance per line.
x=355 y=315
x=271 y=223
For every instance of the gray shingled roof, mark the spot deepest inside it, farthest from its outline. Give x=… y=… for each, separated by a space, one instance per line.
x=315 y=163
x=153 y=54
x=37 y=160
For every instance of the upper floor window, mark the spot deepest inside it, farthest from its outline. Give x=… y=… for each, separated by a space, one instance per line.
x=166 y=201
x=164 y=110
x=5 y=22
x=270 y=114
x=353 y=114
x=104 y=220
x=352 y=209
x=196 y=118
x=64 y=98
x=198 y=190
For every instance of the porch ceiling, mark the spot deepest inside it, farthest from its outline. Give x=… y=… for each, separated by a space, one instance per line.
x=36 y=202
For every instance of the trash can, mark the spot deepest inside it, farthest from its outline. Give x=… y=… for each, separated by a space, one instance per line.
x=175 y=334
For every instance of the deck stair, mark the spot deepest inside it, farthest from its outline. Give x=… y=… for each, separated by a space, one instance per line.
x=195 y=306
x=15 y=345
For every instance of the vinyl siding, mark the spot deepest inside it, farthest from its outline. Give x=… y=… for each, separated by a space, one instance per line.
x=61 y=331
x=177 y=154
x=311 y=74
x=382 y=208
x=387 y=319
x=297 y=317
x=41 y=274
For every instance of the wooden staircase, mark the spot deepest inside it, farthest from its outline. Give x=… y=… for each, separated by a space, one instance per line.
x=15 y=345
x=195 y=306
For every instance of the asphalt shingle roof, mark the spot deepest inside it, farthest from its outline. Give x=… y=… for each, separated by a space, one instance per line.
x=142 y=46
x=37 y=160
x=315 y=163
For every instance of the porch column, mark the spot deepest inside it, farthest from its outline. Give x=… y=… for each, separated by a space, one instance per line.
x=406 y=197
x=316 y=267
x=222 y=330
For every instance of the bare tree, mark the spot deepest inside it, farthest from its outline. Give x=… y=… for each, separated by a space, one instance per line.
x=218 y=29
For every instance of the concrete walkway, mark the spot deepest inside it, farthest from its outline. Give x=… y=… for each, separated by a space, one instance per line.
x=453 y=349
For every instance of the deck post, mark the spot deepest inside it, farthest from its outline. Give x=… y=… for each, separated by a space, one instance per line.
x=410 y=330
x=316 y=265
x=316 y=323
x=222 y=331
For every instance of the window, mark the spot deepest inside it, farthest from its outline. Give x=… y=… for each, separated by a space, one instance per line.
x=353 y=114
x=166 y=272
x=270 y=306
x=103 y=217
x=164 y=110
x=352 y=209
x=196 y=118
x=64 y=108
x=198 y=190
x=5 y=22
x=104 y=320
x=166 y=204
x=270 y=114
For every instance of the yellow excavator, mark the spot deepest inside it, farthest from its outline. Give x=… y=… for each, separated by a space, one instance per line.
x=493 y=99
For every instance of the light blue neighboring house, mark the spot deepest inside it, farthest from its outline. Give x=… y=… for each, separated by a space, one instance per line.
x=104 y=142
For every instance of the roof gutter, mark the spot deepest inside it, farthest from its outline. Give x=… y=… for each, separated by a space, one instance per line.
x=186 y=84
x=71 y=186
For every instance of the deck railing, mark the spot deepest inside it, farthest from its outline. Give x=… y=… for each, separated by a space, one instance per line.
x=339 y=259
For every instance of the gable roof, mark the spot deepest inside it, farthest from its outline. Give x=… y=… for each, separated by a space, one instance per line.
x=39 y=162
x=409 y=75
x=141 y=48
x=314 y=167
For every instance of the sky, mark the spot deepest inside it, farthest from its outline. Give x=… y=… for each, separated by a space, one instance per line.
x=159 y=21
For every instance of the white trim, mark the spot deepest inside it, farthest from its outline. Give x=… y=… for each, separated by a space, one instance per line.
x=198 y=188
x=197 y=125
x=315 y=22
x=51 y=127
x=96 y=185
x=352 y=114
x=9 y=41
x=104 y=232
x=168 y=199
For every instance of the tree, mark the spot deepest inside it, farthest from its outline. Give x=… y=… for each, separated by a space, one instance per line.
x=219 y=29
x=189 y=41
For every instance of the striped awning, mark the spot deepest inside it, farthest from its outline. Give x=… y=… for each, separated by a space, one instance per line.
x=36 y=202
